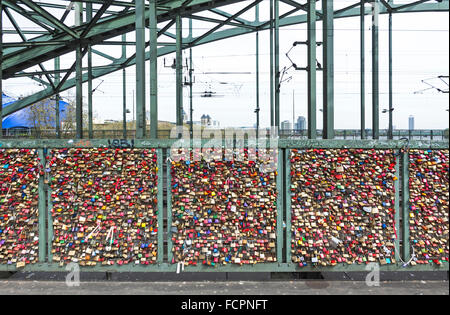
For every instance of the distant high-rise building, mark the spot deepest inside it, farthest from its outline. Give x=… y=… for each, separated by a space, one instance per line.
x=411 y=122
x=206 y=120
x=286 y=125
x=301 y=123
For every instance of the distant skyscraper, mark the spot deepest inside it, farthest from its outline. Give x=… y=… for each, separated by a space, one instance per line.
x=411 y=122
x=286 y=125
x=206 y=120
x=301 y=123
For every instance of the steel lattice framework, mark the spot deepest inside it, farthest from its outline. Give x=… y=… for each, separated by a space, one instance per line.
x=106 y=19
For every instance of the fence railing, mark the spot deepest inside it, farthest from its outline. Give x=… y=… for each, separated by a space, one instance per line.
x=351 y=134
x=165 y=234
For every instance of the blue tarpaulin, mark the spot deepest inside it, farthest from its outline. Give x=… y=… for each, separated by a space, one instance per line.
x=20 y=118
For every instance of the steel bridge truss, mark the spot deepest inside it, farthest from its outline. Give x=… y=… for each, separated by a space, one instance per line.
x=54 y=34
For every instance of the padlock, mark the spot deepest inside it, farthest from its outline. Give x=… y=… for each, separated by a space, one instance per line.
x=219 y=205
x=341 y=205
x=429 y=209
x=19 y=213
x=108 y=198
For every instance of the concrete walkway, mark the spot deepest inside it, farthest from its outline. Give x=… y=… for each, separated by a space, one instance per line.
x=298 y=287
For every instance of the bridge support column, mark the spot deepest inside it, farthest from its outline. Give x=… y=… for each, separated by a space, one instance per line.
x=391 y=109
x=79 y=76
x=277 y=65
x=57 y=99
x=1 y=70
x=375 y=71
x=363 y=69
x=328 y=71
x=124 y=88
x=140 y=69
x=153 y=71
x=179 y=71
x=89 y=15
x=312 y=71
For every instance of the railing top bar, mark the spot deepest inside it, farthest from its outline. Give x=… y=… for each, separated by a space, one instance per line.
x=362 y=144
x=168 y=143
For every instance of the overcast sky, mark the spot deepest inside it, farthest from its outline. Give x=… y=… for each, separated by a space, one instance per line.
x=420 y=52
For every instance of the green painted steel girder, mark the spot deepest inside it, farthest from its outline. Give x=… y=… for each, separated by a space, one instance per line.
x=30 y=15
x=272 y=79
x=1 y=66
x=328 y=69
x=276 y=60
x=363 y=69
x=46 y=15
x=108 y=27
x=375 y=71
x=79 y=77
x=17 y=59
x=219 y=35
x=282 y=143
x=179 y=72
x=153 y=71
x=312 y=70
x=140 y=69
x=89 y=17
x=124 y=90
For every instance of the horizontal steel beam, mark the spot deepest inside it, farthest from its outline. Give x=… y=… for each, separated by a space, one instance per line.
x=282 y=143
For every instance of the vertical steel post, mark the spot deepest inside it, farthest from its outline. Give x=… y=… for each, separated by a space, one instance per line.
x=328 y=70
x=169 y=211
x=363 y=70
x=1 y=68
x=160 y=206
x=89 y=15
x=153 y=71
x=42 y=210
x=179 y=71
x=191 y=108
x=124 y=88
x=57 y=98
x=288 y=244
x=272 y=109
x=140 y=69
x=49 y=224
x=280 y=238
x=390 y=134
x=375 y=71
x=405 y=205
x=191 y=70
x=312 y=71
x=257 y=73
x=277 y=65
x=79 y=76
x=397 y=205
